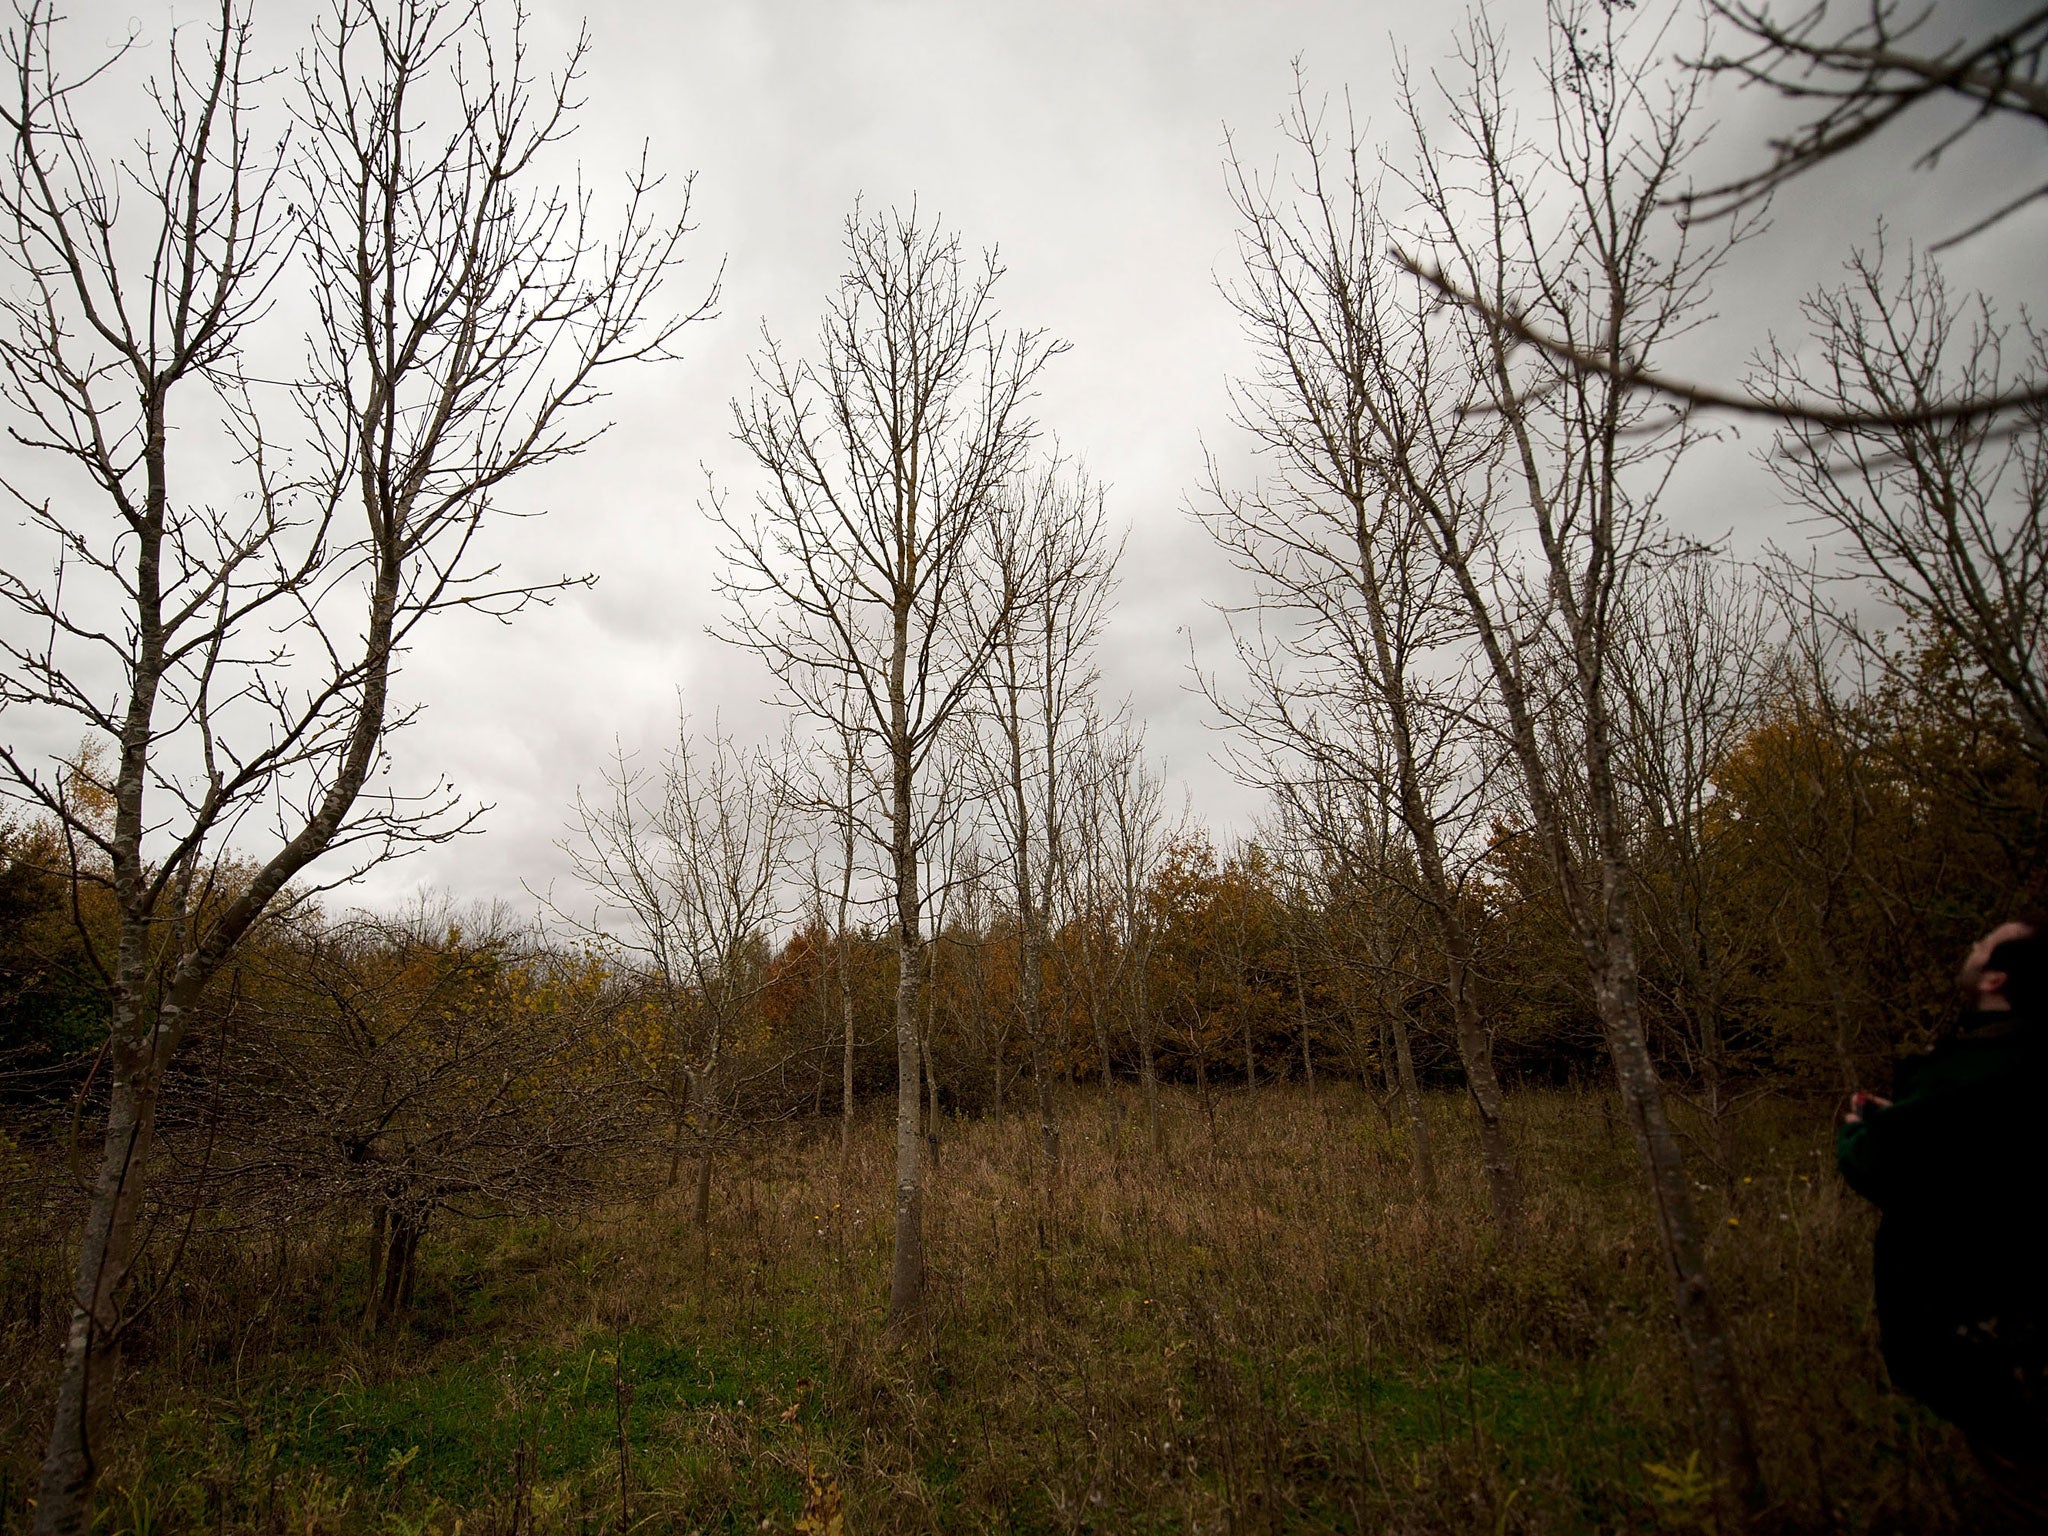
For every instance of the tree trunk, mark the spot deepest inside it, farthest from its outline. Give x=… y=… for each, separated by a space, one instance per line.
x=846 y=1009
x=1308 y=1059
x=906 y=1271
x=1440 y=893
x=1030 y=944
x=678 y=1121
x=106 y=1251
x=1716 y=1385
x=1110 y=1106
x=931 y=1078
x=1411 y=1100
x=824 y=1031
x=703 y=1212
x=378 y=1224
x=1611 y=947
x=408 y=1271
x=1475 y=1047
x=390 y=1292
x=1148 y=1063
x=1475 y=1053
x=140 y=1050
x=1048 y=1120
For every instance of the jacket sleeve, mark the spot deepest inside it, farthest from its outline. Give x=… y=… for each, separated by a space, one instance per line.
x=1908 y=1151
x=1859 y=1153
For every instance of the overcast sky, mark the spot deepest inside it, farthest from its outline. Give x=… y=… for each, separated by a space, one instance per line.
x=1085 y=141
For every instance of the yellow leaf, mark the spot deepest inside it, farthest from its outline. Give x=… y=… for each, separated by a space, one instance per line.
x=824 y=1507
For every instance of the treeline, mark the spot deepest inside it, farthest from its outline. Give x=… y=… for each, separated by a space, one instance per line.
x=1796 y=935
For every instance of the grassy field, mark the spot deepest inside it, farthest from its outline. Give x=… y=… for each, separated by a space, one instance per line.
x=1266 y=1330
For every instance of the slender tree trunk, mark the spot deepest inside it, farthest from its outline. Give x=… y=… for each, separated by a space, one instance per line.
x=703 y=1212
x=396 y=1289
x=1602 y=918
x=1308 y=1058
x=1475 y=1047
x=931 y=1078
x=1109 y=1104
x=137 y=1055
x=906 y=1271
x=1030 y=937
x=1148 y=1062
x=106 y=1253
x=846 y=1009
x=1411 y=1101
x=1716 y=1382
x=1390 y=651
x=1701 y=1327
x=824 y=1030
x=1048 y=1118
x=378 y=1224
x=1475 y=1053
x=679 y=1116
x=1251 y=1064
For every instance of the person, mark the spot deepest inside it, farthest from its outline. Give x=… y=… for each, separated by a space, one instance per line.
x=1957 y=1162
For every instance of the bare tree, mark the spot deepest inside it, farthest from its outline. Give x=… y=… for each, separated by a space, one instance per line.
x=1366 y=677
x=1573 y=233
x=859 y=570
x=1135 y=823
x=1860 y=80
x=1695 y=658
x=843 y=817
x=1091 y=877
x=1947 y=520
x=987 y=1027
x=1370 y=914
x=1036 y=691
x=689 y=867
x=830 y=791
x=1293 y=863
x=238 y=648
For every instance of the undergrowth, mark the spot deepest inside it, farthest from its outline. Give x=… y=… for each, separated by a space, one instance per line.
x=1265 y=1329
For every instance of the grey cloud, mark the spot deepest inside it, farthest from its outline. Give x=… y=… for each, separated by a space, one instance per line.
x=1086 y=140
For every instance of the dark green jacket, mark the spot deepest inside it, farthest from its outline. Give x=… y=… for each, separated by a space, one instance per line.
x=1959 y=1166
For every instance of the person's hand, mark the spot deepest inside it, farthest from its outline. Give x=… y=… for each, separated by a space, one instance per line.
x=1860 y=1101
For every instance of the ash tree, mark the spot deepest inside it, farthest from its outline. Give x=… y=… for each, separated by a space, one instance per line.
x=1036 y=696
x=245 y=518
x=868 y=575
x=1943 y=518
x=1354 y=647
x=1858 y=84
x=1567 y=227
x=1131 y=794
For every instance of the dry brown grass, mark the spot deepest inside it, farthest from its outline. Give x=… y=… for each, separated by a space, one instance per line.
x=1265 y=1330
